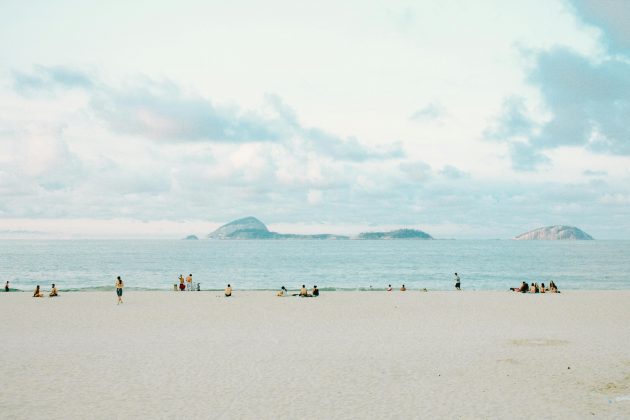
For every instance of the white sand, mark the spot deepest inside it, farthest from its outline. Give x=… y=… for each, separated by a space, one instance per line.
x=342 y=355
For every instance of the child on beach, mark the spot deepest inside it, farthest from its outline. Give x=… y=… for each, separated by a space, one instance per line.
x=53 y=291
x=37 y=293
x=119 y=289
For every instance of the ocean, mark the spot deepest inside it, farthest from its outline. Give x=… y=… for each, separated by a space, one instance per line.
x=331 y=265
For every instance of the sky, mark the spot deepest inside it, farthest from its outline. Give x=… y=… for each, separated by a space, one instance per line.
x=465 y=119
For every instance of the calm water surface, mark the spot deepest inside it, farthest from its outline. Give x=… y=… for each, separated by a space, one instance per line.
x=156 y=264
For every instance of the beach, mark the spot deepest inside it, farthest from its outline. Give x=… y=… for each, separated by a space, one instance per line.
x=342 y=355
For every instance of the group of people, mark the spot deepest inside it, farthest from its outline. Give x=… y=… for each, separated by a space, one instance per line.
x=303 y=292
x=186 y=284
x=38 y=292
x=535 y=288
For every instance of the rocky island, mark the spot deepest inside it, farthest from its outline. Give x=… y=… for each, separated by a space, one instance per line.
x=555 y=233
x=252 y=228
x=191 y=238
x=396 y=234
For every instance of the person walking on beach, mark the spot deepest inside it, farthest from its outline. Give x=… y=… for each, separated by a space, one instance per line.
x=189 y=283
x=6 y=286
x=119 y=289
x=457 y=282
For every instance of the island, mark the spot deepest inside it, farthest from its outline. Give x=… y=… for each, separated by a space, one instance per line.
x=252 y=228
x=396 y=234
x=191 y=238
x=555 y=233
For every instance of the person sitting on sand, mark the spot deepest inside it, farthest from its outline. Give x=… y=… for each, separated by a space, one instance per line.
x=315 y=291
x=389 y=288
x=523 y=289
x=403 y=288
x=542 y=288
x=6 y=286
x=37 y=293
x=283 y=292
x=228 y=291
x=303 y=292
x=552 y=287
x=53 y=291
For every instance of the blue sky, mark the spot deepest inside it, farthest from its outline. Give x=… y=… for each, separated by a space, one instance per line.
x=467 y=119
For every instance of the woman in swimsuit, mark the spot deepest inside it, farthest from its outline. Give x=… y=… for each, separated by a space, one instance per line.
x=37 y=293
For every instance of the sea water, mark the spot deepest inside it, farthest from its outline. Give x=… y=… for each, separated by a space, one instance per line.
x=329 y=264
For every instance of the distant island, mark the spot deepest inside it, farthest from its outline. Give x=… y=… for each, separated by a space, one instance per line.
x=396 y=234
x=191 y=238
x=252 y=228
x=555 y=233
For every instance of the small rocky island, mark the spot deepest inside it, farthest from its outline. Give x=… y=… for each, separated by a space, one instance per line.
x=252 y=228
x=555 y=233
x=191 y=238
x=396 y=234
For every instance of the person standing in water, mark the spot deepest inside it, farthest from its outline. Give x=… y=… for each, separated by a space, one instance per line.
x=457 y=282
x=119 y=289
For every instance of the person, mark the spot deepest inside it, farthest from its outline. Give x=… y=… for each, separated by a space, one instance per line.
x=523 y=289
x=175 y=287
x=53 y=291
x=532 y=288
x=119 y=289
x=283 y=292
x=199 y=287
x=182 y=286
x=552 y=287
x=303 y=291
x=542 y=288
x=189 y=282
x=389 y=288
x=228 y=291
x=37 y=293
x=315 y=291
x=6 y=286
x=403 y=288
x=457 y=282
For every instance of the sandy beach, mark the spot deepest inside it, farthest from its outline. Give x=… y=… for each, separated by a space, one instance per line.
x=342 y=355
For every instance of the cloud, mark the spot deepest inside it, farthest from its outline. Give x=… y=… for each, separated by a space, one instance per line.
x=588 y=103
x=46 y=79
x=612 y=17
x=430 y=112
x=452 y=172
x=162 y=111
